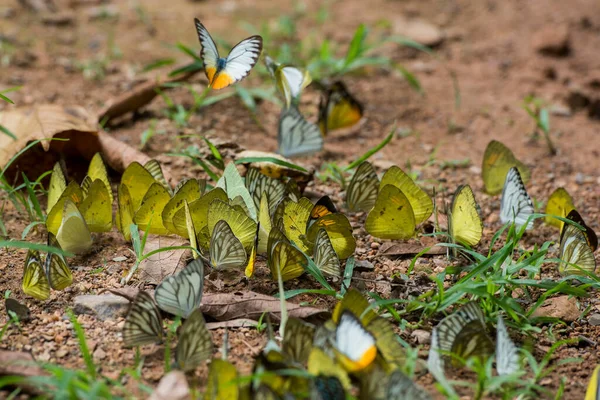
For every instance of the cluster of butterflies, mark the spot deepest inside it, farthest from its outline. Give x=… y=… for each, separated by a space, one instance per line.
x=354 y=344
x=337 y=109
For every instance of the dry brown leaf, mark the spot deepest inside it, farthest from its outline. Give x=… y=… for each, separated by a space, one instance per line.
x=162 y=264
x=231 y=306
x=236 y=323
x=390 y=249
x=16 y=363
x=138 y=97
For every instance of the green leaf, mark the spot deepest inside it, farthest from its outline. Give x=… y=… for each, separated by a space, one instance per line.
x=410 y=78
x=4 y=130
x=246 y=98
x=12 y=89
x=192 y=67
x=295 y=292
x=544 y=120
x=20 y=244
x=248 y=160
x=347 y=279
x=162 y=62
x=188 y=51
x=356 y=45
x=373 y=150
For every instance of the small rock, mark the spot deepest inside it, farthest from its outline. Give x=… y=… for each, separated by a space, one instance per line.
x=421 y=336
x=61 y=353
x=363 y=265
x=560 y=110
x=63 y=18
x=552 y=40
x=99 y=354
x=172 y=386
x=594 y=319
x=7 y=12
x=375 y=245
x=106 y=306
x=120 y=259
x=420 y=31
x=563 y=307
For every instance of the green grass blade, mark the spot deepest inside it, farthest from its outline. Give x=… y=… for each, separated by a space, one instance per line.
x=5 y=130
x=348 y=272
x=374 y=150
x=85 y=352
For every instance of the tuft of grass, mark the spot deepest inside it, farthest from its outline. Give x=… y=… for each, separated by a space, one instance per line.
x=536 y=110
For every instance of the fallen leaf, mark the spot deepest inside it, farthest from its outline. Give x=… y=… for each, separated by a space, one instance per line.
x=172 y=386
x=231 y=306
x=14 y=363
x=235 y=323
x=390 y=249
x=138 y=97
x=165 y=263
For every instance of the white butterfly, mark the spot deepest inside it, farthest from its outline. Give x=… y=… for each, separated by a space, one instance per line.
x=297 y=136
x=290 y=80
x=226 y=250
x=222 y=72
x=516 y=205
x=354 y=342
x=181 y=294
x=507 y=354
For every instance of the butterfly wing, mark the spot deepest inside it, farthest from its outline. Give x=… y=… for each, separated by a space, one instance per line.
x=58 y=184
x=149 y=216
x=297 y=340
x=57 y=271
x=97 y=170
x=96 y=207
x=297 y=136
x=73 y=234
x=240 y=61
x=189 y=191
x=507 y=354
x=575 y=253
x=593 y=390
x=497 y=160
x=209 y=54
x=124 y=214
x=138 y=180
x=465 y=224
x=338 y=109
x=516 y=205
x=363 y=188
x=421 y=203
x=260 y=185
x=400 y=386
x=285 y=259
x=181 y=294
x=338 y=229
x=156 y=171
x=242 y=226
x=354 y=346
x=143 y=324
x=392 y=216
x=221 y=383
x=35 y=282
x=226 y=250
x=195 y=343
x=325 y=256
x=560 y=203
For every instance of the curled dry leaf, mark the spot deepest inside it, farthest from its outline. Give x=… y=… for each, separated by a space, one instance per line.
x=231 y=306
x=15 y=363
x=165 y=263
x=138 y=97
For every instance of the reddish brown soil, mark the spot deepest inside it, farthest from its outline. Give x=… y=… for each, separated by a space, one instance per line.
x=488 y=46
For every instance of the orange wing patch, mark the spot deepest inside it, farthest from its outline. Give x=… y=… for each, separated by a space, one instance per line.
x=222 y=80
x=210 y=73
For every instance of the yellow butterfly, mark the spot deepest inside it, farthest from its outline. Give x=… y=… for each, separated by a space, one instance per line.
x=560 y=204
x=58 y=184
x=226 y=251
x=97 y=170
x=54 y=219
x=249 y=270
x=242 y=226
x=392 y=216
x=464 y=223
x=96 y=207
x=187 y=190
x=323 y=207
x=339 y=231
x=73 y=234
x=138 y=180
x=221 y=383
x=577 y=247
x=264 y=222
x=363 y=188
x=35 y=283
x=497 y=160
x=420 y=202
x=593 y=390
x=338 y=109
x=199 y=213
x=56 y=268
x=124 y=216
x=320 y=364
x=148 y=217
x=156 y=171
x=294 y=220
x=283 y=258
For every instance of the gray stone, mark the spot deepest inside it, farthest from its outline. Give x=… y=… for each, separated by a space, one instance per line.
x=105 y=306
x=563 y=307
x=420 y=31
x=594 y=319
x=421 y=336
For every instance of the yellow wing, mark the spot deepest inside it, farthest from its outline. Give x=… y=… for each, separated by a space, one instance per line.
x=242 y=226
x=58 y=184
x=73 y=234
x=57 y=271
x=497 y=160
x=363 y=188
x=221 y=383
x=189 y=191
x=35 y=283
x=226 y=251
x=339 y=230
x=421 y=203
x=325 y=256
x=97 y=170
x=191 y=229
x=96 y=208
x=593 y=390
x=264 y=220
x=338 y=109
x=199 y=212
x=55 y=216
x=392 y=216
x=156 y=171
x=560 y=204
x=295 y=218
x=466 y=226
x=124 y=216
x=138 y=180
x=149 y=216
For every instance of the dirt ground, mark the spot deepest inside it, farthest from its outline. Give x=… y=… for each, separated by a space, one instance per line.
x=491 y=46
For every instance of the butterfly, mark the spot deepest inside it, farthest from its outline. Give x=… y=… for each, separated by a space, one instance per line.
x=323 y=207
x=260 y=185
x=138 y=180
x=56 y=268
x=464 y=334
x=497 y=160
x=297 y=136
x=58 y=184
x=154 y=168
x=97 y=170
x=96 y=206
x=187 y=190
x=577 y=247
x=325 y=256
x=283 y=258
x=233 y=184
x=400 y=387
x=338 y=109
x=226 y=251
x=420 y=202
x=249 y=270
x=221 y=383
x=199 y=213
x=297 y=340
x=516 y=205
x=560 y=203
x=195 y=344
x=35 y=283
x=354 y=346
x=507 y=354
x=593 y=390
x=222 y=72
x=241 y=225
x=290 y=80
x=363 y=188
x=143 y=324
x=464 y=222
x=392 y=216
x=181 y=294
x=148 y=217
x=124 y=214
x=55 y=218
x=73 y=234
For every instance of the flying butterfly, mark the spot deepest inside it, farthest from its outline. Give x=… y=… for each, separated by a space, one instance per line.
x=338 y=109
x=35 y=283
x=297 y=136
x=516 y=205
x=143 y=324
x=222 y=72
x=507 y=353
x=181 y=294
x=464 y=222
x=497 y=160
x=226 y=251
x=363 y=188
x=195 y=344
x=325 y=256
x=593 y=390
x=464 y=334
x=577 y=247
x=354 y=346
x=560 y=203
x=290 y=80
